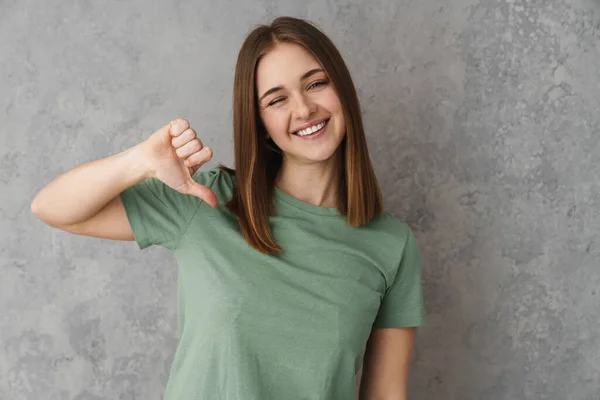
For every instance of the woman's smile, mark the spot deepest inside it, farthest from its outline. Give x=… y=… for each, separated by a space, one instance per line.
x=312 y=132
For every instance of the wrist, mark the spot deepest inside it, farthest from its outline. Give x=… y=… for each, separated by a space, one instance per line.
x=141 y=161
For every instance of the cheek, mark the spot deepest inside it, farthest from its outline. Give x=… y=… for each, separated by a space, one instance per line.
x=332 y=102
x=336 y=109
x=276 y=123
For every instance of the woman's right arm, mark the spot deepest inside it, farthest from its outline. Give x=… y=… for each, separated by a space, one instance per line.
x=86 y=199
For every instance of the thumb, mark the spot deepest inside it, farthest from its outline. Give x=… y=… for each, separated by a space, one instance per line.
x=165 y=130
x=201 y=191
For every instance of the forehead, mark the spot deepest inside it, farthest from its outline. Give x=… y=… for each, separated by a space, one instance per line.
x=283 y=65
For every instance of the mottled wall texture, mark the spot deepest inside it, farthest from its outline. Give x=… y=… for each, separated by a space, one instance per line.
x=483 y=119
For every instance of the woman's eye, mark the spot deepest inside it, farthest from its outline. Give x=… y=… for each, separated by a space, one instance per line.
x=275 y=101
x=317 y=84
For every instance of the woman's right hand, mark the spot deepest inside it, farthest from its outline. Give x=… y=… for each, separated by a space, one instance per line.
x=175 y=154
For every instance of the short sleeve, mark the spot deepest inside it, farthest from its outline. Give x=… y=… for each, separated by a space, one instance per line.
x=402 y=304
x=159 y=214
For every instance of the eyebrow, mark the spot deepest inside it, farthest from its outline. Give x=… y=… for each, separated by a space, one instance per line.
x=278 y=88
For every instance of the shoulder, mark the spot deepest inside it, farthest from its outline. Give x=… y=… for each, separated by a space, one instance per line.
x=392 y=227
x=388 y=236
x=219 y=179
x=207 y=176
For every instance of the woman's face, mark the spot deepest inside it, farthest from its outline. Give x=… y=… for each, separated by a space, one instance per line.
x=295 y=98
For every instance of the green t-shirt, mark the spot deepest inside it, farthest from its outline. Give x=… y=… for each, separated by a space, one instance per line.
x=289 y=326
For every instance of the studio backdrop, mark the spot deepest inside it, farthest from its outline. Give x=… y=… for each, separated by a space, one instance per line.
x=483 y=123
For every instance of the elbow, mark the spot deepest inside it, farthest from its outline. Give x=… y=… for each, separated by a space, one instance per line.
x=37 y=209
x=46 y=214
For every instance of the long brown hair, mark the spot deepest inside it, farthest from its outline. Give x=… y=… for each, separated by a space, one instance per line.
x=258 y=160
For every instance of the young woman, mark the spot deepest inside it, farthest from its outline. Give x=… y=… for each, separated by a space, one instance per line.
x=289 y=270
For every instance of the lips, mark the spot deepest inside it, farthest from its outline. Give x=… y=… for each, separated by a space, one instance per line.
x=313 y=125
x=315 y=136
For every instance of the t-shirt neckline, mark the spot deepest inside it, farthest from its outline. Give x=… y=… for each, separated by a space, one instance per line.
x=311 y=208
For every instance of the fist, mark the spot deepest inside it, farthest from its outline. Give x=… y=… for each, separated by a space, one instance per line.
x=176 y=153
x=187 y=145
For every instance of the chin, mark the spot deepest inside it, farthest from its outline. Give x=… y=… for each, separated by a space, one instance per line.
x=321 y=156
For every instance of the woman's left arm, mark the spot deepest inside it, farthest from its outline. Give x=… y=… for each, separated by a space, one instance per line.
x=386 y=364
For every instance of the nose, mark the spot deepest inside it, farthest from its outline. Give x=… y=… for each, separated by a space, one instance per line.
x=303 y=107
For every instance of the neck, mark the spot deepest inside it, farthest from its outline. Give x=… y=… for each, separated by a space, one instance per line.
x=315 y=183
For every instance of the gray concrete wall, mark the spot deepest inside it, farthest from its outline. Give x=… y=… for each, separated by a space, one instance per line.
x=483 y=120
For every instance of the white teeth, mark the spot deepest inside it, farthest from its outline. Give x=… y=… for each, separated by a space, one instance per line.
x=311 y=129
